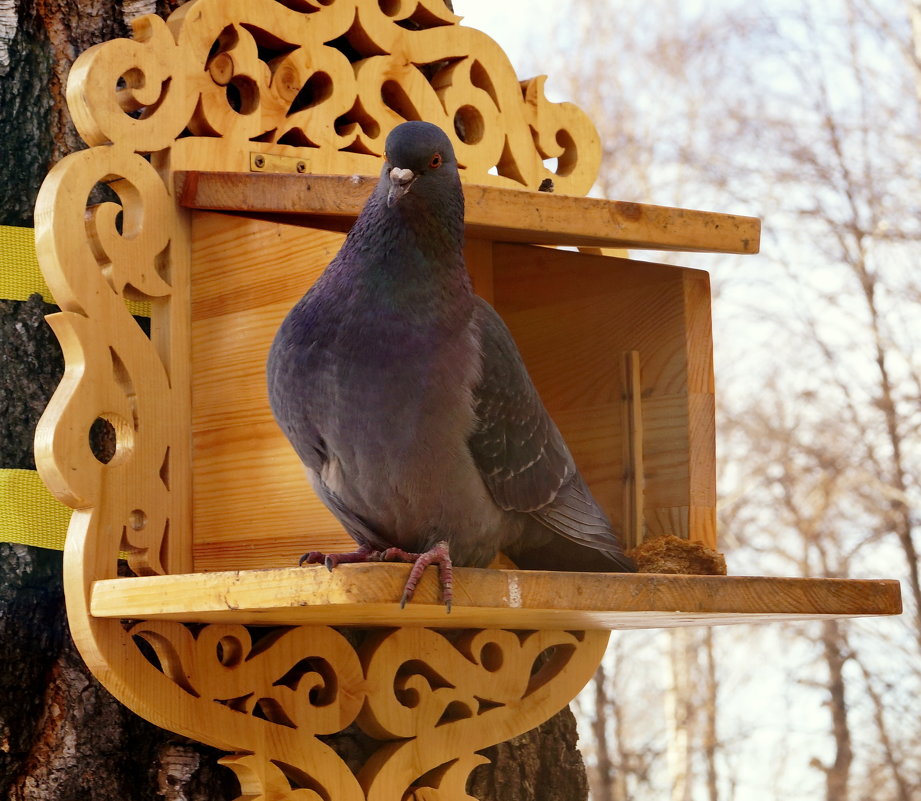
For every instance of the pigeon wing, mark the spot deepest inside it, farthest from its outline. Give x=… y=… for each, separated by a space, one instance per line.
x=519 y=450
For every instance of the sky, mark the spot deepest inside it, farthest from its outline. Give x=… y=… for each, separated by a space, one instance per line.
x=498 y=19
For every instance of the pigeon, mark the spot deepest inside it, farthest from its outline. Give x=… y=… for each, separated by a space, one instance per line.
x=405 y=396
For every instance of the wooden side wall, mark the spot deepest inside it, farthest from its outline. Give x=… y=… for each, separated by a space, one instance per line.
x=574 y=317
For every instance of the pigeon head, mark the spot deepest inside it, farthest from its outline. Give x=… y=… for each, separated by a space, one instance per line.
x=419 y=160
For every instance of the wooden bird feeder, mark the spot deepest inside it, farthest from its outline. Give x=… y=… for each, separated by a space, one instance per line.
x=239 y=140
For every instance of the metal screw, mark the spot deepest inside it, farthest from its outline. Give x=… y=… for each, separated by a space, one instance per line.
x=259 y=161
x=301 y=166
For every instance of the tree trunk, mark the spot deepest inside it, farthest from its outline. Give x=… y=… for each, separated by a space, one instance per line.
x=604 y=786
x=893 y=760
x=710 y=704
x=679 y=713
x=62 y=735
x=838 y=771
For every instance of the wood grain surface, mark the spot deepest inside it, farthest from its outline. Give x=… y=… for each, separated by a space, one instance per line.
x=507 y=215
x=368 y=595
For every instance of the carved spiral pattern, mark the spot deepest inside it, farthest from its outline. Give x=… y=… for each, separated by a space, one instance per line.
x=94 y=259
x=326 y=82
x=454 y=695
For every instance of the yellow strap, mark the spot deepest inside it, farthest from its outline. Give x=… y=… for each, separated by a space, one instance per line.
x=29 y=513
x=20 y=275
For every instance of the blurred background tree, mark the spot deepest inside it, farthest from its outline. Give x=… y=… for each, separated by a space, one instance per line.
x=807 y=115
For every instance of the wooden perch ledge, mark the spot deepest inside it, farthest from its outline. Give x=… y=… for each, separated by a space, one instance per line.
x=368 y=595
x=505 y=215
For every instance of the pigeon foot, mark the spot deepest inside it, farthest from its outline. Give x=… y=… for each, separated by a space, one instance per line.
x=330 y=560
x=438 y=555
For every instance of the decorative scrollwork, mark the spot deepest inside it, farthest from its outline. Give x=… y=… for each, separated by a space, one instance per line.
x=484 y=687
x=289 y=676
x=326 y=82
x=433 y=698
x=94 y=260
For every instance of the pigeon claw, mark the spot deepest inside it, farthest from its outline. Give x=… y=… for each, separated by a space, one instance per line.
x=311 y=558
x=439 y=555
x=330 y=560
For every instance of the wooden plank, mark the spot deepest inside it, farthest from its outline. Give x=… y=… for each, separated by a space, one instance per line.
x=246 y=275
x=634 y=473
x=368 y=594
x=508 y=215
x=572 y=316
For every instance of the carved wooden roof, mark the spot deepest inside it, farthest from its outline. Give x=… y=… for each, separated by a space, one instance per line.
x=324 y=83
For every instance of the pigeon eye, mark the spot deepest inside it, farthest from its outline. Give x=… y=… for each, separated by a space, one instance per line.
x=435 y=163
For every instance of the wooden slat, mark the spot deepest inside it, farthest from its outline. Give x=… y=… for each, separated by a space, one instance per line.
x=493 y=213
x=634 y=473
x=367 y=595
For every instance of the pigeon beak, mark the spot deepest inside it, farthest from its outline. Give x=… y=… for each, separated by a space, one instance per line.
x=400 y=182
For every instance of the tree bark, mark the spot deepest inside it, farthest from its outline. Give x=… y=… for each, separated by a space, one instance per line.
x=604 y=787
x=838 y=771
x=62 y=735
x=711 y=705
x=679 y=714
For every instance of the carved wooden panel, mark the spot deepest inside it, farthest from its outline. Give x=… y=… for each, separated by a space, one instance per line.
x=432 y=698
x=324 y=83
x=94 y=258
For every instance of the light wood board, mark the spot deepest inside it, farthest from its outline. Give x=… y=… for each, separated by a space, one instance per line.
x=368 y=595
x=506 y=215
